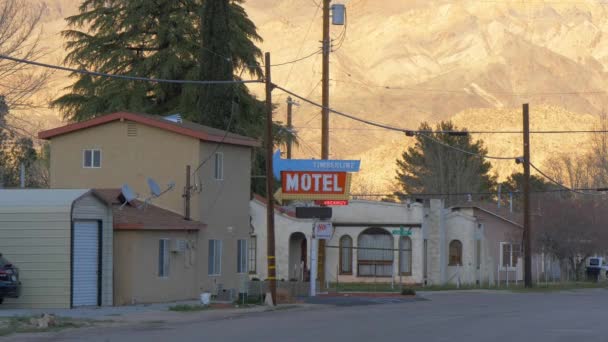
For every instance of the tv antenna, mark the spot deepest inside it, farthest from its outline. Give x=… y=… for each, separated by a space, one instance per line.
x=128 y=195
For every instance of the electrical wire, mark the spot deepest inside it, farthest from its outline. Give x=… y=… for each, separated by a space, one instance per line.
x=464 y=151
x=410 y=131
x=226 y=132
x=297 y=60
x=131 y=78
x=561 y=185
x=303 y=41
x=516 y=192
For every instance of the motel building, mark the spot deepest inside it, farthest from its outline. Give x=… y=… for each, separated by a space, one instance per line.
x=416 y=243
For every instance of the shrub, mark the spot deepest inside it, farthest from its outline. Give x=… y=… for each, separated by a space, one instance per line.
x=408 y=292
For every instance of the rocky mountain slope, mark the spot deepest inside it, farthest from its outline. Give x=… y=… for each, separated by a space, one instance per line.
x=403 y=62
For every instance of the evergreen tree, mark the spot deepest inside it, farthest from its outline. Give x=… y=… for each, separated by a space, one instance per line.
x=186 y=39
x=429 y=167
x=162 y=39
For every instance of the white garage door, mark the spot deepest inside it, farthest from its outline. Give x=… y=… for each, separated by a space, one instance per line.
x=85 y=263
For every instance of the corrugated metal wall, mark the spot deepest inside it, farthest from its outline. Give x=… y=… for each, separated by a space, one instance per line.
x=39 y=245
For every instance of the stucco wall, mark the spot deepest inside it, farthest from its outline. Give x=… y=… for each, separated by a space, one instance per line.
x=224 y=206
x=163 y=155
x=153 y=152
x=495 y=232
x=136 y=277
x=362 y=212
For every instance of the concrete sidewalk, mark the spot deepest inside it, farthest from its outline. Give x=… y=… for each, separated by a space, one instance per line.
x=145 y=312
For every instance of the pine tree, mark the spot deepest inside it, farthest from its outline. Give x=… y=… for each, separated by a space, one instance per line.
x=159 y=39
x=429 y=167
x=186 y=39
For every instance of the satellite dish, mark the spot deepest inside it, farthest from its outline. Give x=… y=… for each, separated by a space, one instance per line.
x=154 y=188
x=128 y=194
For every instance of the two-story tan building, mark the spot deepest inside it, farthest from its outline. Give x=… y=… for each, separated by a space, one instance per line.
x=128 y=148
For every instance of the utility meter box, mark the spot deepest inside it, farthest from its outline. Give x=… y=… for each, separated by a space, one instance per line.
x=338 y=14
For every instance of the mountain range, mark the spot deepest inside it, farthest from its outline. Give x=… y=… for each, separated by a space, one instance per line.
x=404 y=62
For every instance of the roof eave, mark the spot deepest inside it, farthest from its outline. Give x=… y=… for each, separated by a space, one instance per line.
x=55 y=132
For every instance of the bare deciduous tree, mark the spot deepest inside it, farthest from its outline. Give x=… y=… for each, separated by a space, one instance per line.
x=572 y=229
x=19 y=37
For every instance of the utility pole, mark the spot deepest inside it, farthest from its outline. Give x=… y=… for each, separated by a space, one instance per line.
x=22 y=175
x=272 y=275
x=187 y=192
x=290 y=104
x=324 y=123
x=325 y=83
x=526 y=162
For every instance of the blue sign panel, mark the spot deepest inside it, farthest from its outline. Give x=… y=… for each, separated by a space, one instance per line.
x=320 y=165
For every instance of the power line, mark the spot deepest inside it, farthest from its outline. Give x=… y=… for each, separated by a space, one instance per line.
x=303 y=40
x=467 y=131
x=561 y=185
x=464 y=151
x=516 y=192
x=298 y=60
x=468 y=92
x=410 y=131
x=124 y=77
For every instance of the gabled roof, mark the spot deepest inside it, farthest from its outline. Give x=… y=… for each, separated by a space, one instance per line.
x=149 y=217
x=492 y=209
x=185 y=127
x=39 y=200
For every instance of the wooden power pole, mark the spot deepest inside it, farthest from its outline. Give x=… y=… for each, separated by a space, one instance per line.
x=272 y=275
x=289 y=126
x=526 y=238
x=326 y=48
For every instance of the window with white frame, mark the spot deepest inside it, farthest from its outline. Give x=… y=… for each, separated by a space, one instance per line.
x=509 y=254
x=215 y=257
x=163 y=258
x=241 y=256
x=91 y=158
x=218 y=173
x=253 y=245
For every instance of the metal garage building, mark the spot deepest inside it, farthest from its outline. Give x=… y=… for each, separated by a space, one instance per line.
x=61 y=241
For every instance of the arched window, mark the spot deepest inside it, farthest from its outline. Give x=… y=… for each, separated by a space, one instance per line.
x=346 y=255
x=455 y=253
x=405 y=255
x=375 y=253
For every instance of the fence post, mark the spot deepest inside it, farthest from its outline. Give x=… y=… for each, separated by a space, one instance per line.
x=498 y=275
x=337 y=277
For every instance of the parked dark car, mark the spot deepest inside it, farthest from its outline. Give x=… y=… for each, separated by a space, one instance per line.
x=10 y=286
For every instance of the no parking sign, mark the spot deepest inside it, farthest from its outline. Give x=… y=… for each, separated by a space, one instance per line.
x=323 y=230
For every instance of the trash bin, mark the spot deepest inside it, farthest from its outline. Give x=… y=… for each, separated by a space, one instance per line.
x=205 y=298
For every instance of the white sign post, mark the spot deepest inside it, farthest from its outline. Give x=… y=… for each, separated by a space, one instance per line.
x=320 y=231
x=314 y=247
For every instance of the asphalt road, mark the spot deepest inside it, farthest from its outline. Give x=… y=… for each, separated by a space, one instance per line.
x=463 y=316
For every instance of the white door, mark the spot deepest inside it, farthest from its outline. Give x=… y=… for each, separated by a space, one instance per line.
x=85 y=271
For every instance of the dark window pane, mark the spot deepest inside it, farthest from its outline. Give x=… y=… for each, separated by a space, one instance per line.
x=96 y=158
x=88 y=155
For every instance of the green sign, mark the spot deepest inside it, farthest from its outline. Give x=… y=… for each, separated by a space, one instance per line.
x=402 y=232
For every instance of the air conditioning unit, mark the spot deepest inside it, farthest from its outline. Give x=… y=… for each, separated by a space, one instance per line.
x=178 y=245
